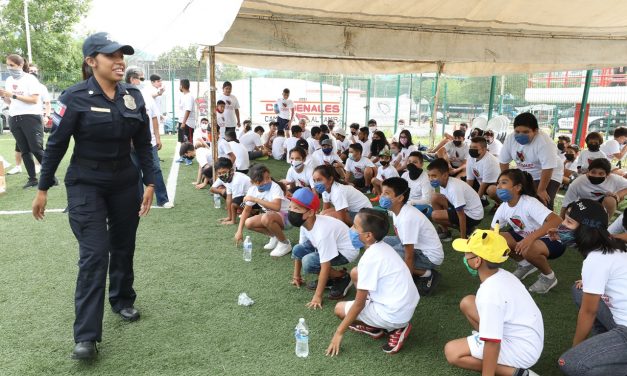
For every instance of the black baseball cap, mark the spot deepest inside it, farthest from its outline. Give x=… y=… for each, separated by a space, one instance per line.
x=102 y=43
x=588 y=212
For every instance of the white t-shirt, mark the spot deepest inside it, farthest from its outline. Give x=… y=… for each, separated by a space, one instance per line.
x=204 y=157
x=389 y=283
x=540 y=154
x=278 y=147
x=250 y=140
x=526 y=217
x=187 y=103
x=507 y=313
x=420 y=190
x=346 y=197
x=386 y=173
x=610 y=148
x=300 y=179
x=242 y=162
x=290 y=143
x=456 y=155
x=27 y=85
x=486 y=170
x=495 y=147
x=617 y=226
x=285 y=108
x=231 y=104
x=357 y=168
x=460 y=194
x=224 y=149
x=313 y=145
x=582 y=188
x=318 y=158
x=330 y=238
x=404 y=152
x=366 y=148
x=44 y=96
x=587 y=156
x=237 y=187
x=413 y=227
x=200 y=134
x=342 y=146
x=271 y=194
x=153 y=112
x=606 y=275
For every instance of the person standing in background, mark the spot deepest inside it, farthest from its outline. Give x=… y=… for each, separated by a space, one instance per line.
x=284 y=108
x=231 y=109
x=187 y=111
x=156 y=92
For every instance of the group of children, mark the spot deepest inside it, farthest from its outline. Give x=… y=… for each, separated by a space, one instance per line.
x=325 y=194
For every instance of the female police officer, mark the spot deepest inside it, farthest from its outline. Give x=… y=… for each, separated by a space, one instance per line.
x=105 y=117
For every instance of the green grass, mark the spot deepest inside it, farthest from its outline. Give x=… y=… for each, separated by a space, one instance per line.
x=188 y=277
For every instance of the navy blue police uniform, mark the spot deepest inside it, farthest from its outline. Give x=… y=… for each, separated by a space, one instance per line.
x=102 y=191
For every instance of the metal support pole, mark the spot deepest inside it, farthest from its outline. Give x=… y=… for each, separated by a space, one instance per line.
x=420 y=100
x=584 y=103
x=491 y=100
x=212 y=105
x=250 y=98
x=344 y=98
x=398 y=93
x=502 y=94
x=434 y=113
x=172 y=93
x=411 y=98
x=367 y=104
x=321 y=104
x=444 y=108
x=27 y=29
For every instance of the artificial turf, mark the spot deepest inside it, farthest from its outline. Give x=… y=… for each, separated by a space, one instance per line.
x=188 y=275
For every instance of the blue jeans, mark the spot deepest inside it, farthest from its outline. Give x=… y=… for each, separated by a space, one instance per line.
x=161 y=191
x=310 y=258
x=425 y=209
x=605 y=353
x=420 y=260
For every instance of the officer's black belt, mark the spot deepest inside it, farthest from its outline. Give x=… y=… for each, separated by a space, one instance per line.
x=114 y=165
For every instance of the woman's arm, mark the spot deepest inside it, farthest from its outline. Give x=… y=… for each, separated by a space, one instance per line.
x=586 y=317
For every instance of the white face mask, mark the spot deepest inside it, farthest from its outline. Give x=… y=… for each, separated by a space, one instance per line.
x=297 y=164
x=16 y=73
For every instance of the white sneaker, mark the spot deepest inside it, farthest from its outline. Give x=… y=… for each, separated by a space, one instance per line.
x=167 y=205
x=281 y=249
x=37 y=169
x=272 y=243
x=15 y=170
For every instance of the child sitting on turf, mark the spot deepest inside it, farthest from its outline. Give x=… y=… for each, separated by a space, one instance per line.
x=299 y=174
x=235 y=185
x=530 y=222
x=593 y=142
x=601 y=295
x=278 y=146
x=420 y=189
x=510 y=330
x=456 y=154
x=270 y=196
x=416 y=239
x=359 y=170
x=457 y=204
x=290 y=142
x=203 y=156
x=386 y=171
x=326 y=156
x=482 y=170
x=345 y=199
x=386 y=295
x=324 y=242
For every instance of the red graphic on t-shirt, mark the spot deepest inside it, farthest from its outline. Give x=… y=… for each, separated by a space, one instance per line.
x=520 y=155
x=395 y=231
x=14 y=86
x=382 y=176
x=456 y=154
x=590 y=160
x=284 y=104
x=517 y=222
x=302 y=183
x=475 y=172
x=228 y=102
x=357 y=169
x=598 y=194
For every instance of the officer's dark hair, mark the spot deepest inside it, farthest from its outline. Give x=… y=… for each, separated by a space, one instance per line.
x=220 y=102
x=155 y=77
x=364 y=130
x=601 y=164
x=480 y=140
x=231 y=136
x=375 y=221
x=357 y=147
x=526 y=119
x=439 y=164
x=259 y=128
x=226 y=84
x=224 y=163
x=418 y=155
x=186 y=147
x=185 y=84
x=459 y=133
x=315 y=131
x=17 y=59
x=86 y=70
x=132 y=72
x=399 y=185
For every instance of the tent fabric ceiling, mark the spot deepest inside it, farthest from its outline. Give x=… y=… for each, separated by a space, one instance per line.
x=470 y=37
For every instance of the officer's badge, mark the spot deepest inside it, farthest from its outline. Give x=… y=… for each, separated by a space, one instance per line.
x=129 y=102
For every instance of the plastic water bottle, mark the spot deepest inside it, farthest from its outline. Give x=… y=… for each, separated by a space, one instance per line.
x=302 y=339
x=216 y=201
x=248 y=249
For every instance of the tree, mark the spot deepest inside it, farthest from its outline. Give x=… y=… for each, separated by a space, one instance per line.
x=55 y=51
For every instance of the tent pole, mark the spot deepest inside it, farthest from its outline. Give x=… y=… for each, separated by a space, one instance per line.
x=321 y=111
x=367 y=104
x=491 y=100
x=250 y=98
x=172 y=86
x=212 y=106
x=398 y=93
x=411 y=99
x=444 y=103
x=420 y=99
x=434 y=110
x=584 y=103
x=502 y=93
x=344 y=83
x=197 y=110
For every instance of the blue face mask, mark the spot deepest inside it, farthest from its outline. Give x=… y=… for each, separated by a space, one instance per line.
x=385 y=202
x=357 y=243
x=434 y=183
x=264 y=187
x=320 y=188
x=522 y=139
x=327 y=151
x=351 y=156
x=566 y=235
x=504 y=194
x=472 y=271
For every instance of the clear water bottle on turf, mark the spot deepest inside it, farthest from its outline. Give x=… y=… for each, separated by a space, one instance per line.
x=248 y=249
x=216 y=201
x=302 y=339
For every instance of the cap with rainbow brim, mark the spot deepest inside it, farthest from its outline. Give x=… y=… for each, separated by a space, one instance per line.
x=490 y=245
x=306 y=198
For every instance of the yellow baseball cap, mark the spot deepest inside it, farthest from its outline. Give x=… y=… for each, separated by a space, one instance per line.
x=490 y=245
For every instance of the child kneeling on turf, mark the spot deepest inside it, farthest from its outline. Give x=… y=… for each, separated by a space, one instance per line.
x=386 y=294
x=235 y=184
x=270 y=196
x=324 y=242
x=510 y=330
x=416 y=239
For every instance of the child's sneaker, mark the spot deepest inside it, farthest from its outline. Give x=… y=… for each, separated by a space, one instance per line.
x=396 y=340
x=524 y=372
x=271 y=244
x=427 y=285
x=281 y=249
x=375 y=199
x=543 y=285
x=523 y=271
x=188 y=162
x=371 y=331
x=313 y=285
x=340 y=287
x=445 y=236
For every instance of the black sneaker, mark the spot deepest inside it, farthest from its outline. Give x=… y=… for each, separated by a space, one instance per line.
x=84 y=351
x=31 y=183
x=340 y=287
x=427 y=285
x=445 y=236
x=313 y=285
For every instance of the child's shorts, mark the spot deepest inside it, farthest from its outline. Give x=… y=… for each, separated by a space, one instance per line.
x=508 y=356
x=281 y=123
x=359 y=183
x=238 y=200
x=556 y=248
x=286 y=223
x=369 y=316
x=454 y=219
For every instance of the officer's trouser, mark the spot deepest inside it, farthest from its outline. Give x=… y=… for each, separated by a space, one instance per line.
x=104 y=221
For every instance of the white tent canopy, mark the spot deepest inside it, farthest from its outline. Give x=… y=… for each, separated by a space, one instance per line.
x=469 y=37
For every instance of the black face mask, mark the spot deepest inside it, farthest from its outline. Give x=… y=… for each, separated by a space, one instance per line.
x=384 y=163
x=473 y=153
x=596 y=180
x=457 y=143
x=593 y=147
x=570 y=157
x=296 y=219
x=414 y=171
x=227 y=178
x=561 y=146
